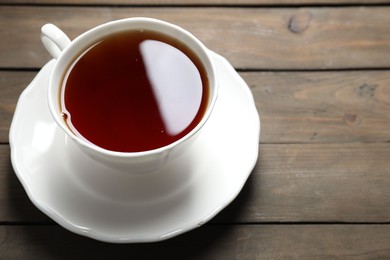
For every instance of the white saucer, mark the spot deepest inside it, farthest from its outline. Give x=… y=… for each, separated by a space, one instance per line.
x=113 y=205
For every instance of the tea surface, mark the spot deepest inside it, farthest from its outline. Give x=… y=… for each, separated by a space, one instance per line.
x=134 y=91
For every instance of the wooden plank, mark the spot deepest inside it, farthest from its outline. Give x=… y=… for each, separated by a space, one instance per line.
x=322 y=106
x=196 y=2
x=304 y=107
x=316 y=183
x=271 y=38
x=290 y=183
x=209 y=242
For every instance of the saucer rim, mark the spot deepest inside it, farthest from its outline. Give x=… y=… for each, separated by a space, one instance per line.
x=91 y=233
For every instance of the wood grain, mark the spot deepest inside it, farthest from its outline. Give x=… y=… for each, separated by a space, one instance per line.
x=209 y=242
x=295 y=107
x=316 y=183
x=290 y=183
x=196 y=2
x=322 y=107
x=257 y=38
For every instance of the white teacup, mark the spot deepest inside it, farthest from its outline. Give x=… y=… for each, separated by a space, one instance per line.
x=66 y=52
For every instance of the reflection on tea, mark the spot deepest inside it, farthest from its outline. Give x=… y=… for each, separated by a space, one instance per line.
x=134 y=91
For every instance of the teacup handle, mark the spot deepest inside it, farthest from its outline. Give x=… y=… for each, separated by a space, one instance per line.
x=54 y=39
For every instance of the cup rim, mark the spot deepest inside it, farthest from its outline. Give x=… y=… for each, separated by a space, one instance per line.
x=211 y=74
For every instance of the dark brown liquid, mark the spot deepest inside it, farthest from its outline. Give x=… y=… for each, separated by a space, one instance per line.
x=134 y=91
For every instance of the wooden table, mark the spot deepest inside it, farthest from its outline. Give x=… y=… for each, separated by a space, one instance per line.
x=319 y=71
